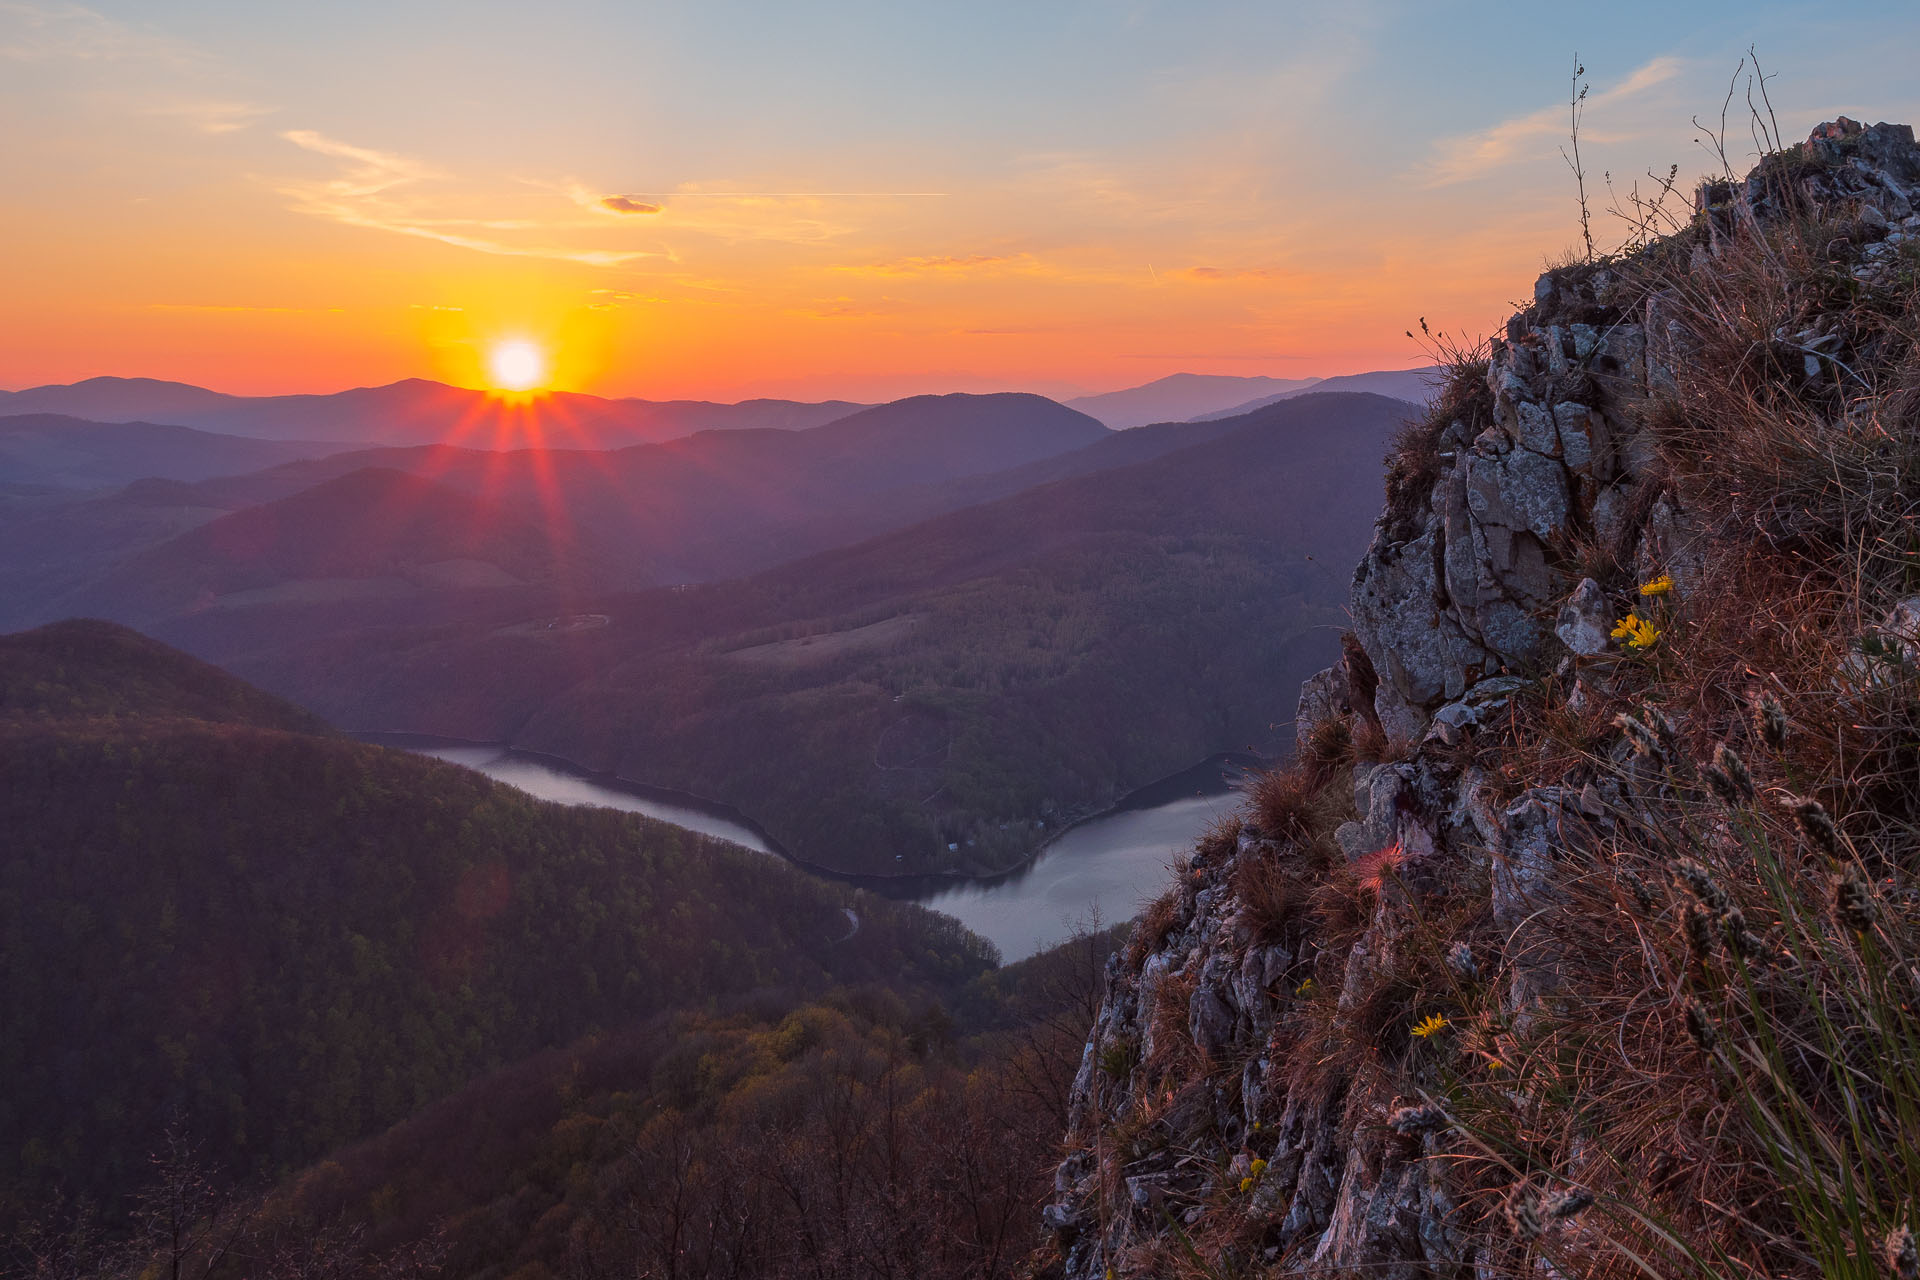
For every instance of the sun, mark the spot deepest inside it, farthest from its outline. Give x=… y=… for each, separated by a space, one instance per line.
x=517 y=366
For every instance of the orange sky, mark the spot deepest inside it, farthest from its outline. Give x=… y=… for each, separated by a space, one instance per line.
x=871 y=202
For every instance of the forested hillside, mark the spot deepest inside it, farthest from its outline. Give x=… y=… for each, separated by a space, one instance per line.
x=867 y=1131
x=210 y=912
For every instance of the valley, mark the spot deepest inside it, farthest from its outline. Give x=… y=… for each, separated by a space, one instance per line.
x=911 y=646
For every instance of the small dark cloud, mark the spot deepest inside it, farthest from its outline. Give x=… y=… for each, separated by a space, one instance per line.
x=627 y=204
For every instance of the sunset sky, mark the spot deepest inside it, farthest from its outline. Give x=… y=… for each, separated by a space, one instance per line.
x=853 y=199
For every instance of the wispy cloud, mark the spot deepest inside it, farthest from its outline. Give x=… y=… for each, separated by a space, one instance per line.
x=384 y=191
x=615 y=299
x=734 y=212
x=213 y=117
x=947 y=264
x=38 y=32
x=1459 y=158
x=1236 y=273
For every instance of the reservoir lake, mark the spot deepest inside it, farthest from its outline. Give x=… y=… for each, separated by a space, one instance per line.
x=1103 y=868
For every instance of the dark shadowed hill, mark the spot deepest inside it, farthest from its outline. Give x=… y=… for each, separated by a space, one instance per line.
x=416 y=411
x=54 y=544
x=961 y=435
x=288 y=940
x=370 y=533
x=70 y=453
x=736 y=552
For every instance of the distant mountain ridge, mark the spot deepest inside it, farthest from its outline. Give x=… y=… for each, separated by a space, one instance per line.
x=1416 y=386
x=709 y=505
x=1198 y=397
x=415 y=411
x=1181 y=396
x=419 y=411
x=73 y=453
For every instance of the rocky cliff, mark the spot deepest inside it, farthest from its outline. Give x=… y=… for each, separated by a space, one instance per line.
x=1434 y=995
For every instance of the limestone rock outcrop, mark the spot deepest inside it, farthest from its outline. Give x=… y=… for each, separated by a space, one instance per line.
x=1475 y=588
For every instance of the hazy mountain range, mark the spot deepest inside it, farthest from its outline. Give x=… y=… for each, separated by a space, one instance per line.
x=62 y=452
x=346 y=529
x=1188 y=397
x=416 y=411
x=1413 y=385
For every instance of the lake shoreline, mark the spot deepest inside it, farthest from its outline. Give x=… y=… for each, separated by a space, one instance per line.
x=908 y=886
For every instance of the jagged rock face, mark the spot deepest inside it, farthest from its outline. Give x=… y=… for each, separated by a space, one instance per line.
x=1464 y=598
x=1467 y=594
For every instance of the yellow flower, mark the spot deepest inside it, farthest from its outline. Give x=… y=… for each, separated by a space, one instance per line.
x=1638 y=632
x=1246 y=1184
x=1430 y=1025
x=1658 y=587
x=1306 y=988
x=1259 y=1167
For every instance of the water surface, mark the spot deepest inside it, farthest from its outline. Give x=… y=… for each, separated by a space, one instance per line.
x=1106 y=868
x=1103 y=869
x=548 y=782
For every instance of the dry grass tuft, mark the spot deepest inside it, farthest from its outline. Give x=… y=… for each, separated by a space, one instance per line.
x=1157 y=920
x=1413 y=459
x=1275 y=895
x=1174 y=1056
x=1372 y=745
x=1282 y=802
